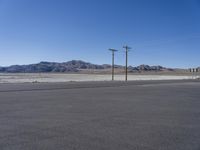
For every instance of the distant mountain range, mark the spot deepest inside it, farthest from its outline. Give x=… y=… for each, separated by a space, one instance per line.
x=73 y=66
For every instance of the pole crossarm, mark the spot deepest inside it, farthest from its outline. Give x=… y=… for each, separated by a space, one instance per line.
x=113 y=50
x=127 y=48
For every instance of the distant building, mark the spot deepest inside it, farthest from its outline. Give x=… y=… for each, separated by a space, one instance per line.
x=194 y=69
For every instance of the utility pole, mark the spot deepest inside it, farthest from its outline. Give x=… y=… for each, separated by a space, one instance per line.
x=127 y=49
x=113 y=61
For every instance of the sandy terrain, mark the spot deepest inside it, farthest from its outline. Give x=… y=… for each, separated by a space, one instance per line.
x=46 y=77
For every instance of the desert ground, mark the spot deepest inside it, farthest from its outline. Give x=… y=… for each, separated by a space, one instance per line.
x=134 y=115
x=61 y=77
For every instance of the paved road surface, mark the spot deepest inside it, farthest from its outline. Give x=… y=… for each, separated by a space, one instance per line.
x=140 y=115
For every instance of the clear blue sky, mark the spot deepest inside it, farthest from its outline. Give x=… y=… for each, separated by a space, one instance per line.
x=161 y=32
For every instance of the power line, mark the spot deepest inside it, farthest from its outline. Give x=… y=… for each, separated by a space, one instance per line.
x=113 y=61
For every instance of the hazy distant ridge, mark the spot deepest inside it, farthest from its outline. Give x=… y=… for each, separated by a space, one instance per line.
x=71 y=66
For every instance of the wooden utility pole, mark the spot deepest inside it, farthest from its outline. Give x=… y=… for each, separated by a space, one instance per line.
x=127 y=49
x=113 y=61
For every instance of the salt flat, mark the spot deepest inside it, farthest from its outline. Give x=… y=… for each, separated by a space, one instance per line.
x=56 y=77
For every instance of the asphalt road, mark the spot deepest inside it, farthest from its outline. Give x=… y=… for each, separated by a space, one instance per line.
x=139 y=115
